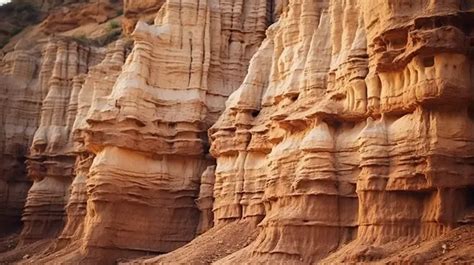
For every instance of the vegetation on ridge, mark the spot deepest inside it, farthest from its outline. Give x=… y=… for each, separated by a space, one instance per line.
x=15 y=17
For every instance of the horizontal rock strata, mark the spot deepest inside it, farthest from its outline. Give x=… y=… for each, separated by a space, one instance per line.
x=20 y=98
x=351 y=131
x=244 y=132
x=51 y=161
x=148 y=132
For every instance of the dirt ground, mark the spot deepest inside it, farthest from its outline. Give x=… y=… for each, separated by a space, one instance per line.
x=218 y=242
x=10 y=253
x=454 y=247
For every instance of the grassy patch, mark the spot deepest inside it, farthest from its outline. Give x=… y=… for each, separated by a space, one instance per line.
x=113 y=25
x=108 y=38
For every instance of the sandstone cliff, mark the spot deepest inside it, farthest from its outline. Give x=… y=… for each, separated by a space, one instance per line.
x=39 y=72
x=351 y=135
x=20 y=105
x=41 y=76
x=170 y=90
x=139 y=10
x=155 y=111
x=278 y=132
x=51 y=161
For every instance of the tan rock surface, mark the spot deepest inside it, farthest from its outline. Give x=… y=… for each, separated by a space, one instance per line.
x=51 y=160
x=346 y=135
x=139 y=10
x=352 y=131
x=98 y=83
x=20 y=97
x=206 y=199
x=26 y=71
x=149 y=134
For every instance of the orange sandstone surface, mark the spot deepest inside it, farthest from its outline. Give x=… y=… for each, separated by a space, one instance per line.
x=239 y=132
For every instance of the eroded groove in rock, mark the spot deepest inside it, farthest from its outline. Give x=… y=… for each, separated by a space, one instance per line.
x=293 y=166
x=98 y=83
x=51 y=161
x=358 y=134
x=20 y=95
x=339 y=131
x=206 y=199
x=149 y=133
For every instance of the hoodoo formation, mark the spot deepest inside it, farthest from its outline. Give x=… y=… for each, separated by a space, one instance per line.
x=237 y=132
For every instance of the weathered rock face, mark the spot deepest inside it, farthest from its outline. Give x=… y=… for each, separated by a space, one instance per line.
x=348 y=137
x=97 y=84
x=139 y=10
x=25 y=81
x=51 y=159
x=20 y=95
x=50 y=205
x=206 y=199
x=27 y=65
x=149 y=134
x=360 y=129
